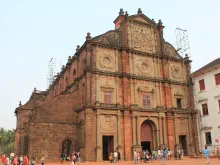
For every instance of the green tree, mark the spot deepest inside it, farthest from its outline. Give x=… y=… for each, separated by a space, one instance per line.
x=7 y=138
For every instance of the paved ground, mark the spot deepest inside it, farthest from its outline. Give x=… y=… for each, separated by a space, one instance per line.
x=186 y=161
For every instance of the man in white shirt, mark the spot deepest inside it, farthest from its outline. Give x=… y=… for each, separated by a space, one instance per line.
x=115 y=156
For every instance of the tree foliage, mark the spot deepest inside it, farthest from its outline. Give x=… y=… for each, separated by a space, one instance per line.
x=7 y=138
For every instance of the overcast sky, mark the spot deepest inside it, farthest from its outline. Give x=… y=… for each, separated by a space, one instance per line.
x=34 y=31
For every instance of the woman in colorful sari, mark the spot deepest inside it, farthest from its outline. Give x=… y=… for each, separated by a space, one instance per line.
x=26 y=162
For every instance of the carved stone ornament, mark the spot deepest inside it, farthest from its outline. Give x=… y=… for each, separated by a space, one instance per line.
x=179 y=93
x=170 y=51
x=144 y=67
x=176 y=71
x=106 y=85
x=108 y=118
x=142 y=38
x=145 y=89
x=106 y=61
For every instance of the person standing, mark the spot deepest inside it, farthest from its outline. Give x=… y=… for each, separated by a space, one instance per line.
x=164 y=156
x=218 y=153
x=15 y=161
x=26 y=162
x=135 y=157
x=182 y=154
x=206 y=153
x=32 y=161
x=73 y=158
x=3 y=159
x=21 y=160
x=42 y=160
x=115 y=156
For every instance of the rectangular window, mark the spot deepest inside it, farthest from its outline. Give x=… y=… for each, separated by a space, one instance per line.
x=208 y=138
x=205 y=109
x=202 y=85
x=179 y=103
x=217 y=79
x=107 y=97
x=146 y=101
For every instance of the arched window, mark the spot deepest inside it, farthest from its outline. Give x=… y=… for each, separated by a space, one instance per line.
x=67 y=83
x=74 y=74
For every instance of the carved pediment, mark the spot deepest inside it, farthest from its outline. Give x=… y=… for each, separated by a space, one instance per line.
x=142 y=37
x=143 y=18
x=169 y=50
x=145 y=89
x=107 y=85
x=179 y=93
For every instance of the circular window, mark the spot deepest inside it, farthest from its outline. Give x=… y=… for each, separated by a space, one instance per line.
x=106 y=60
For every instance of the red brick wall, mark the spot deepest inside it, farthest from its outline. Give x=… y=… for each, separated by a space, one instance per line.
x=127 y=136
x=90 y=135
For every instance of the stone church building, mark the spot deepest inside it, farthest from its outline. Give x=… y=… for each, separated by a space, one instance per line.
x=125 y=89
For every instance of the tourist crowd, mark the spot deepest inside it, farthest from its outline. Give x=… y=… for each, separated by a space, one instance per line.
x=22 y=160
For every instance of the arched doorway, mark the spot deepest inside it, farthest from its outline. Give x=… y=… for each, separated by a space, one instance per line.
x=148 y=135
x=67 y=147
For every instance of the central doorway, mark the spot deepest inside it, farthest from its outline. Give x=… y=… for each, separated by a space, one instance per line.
x=108 y=146
x=146 y=145
x=147 y=135
x=182 y=142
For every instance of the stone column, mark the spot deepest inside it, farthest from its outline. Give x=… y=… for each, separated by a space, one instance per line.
x=97 y=89
x=119 y=134
x=165 y=130
x=171 y=131
x=160 y=130
x=98 y=137
x=154 y=139
x=134 y=139
x=138 y=131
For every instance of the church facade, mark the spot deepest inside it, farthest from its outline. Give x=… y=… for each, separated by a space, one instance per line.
x=125 y=89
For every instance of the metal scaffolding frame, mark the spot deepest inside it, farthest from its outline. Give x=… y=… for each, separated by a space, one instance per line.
x=182 y=42
x=51 y=71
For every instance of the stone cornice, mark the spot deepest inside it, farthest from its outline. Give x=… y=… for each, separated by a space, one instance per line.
x=49 y=122
x=153 y=55
x=133 y=76
x=121 y=108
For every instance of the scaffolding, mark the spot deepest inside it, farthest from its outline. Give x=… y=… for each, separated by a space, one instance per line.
x=51 y=71
x=182 y=42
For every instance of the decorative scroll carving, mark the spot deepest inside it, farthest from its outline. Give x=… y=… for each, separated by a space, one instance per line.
x=144 y=67
x=178 y=93
x=176 y=71
x=142 y=37
x=108 y=123
x=145 y=89
x=169 y=50
x=107 y=85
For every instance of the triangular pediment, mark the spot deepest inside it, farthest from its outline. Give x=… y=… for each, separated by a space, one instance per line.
x=142 y=18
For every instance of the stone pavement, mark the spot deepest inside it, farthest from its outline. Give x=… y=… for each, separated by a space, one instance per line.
x=186 y=161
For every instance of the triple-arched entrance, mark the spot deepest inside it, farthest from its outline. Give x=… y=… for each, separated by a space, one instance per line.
x=148 y=135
